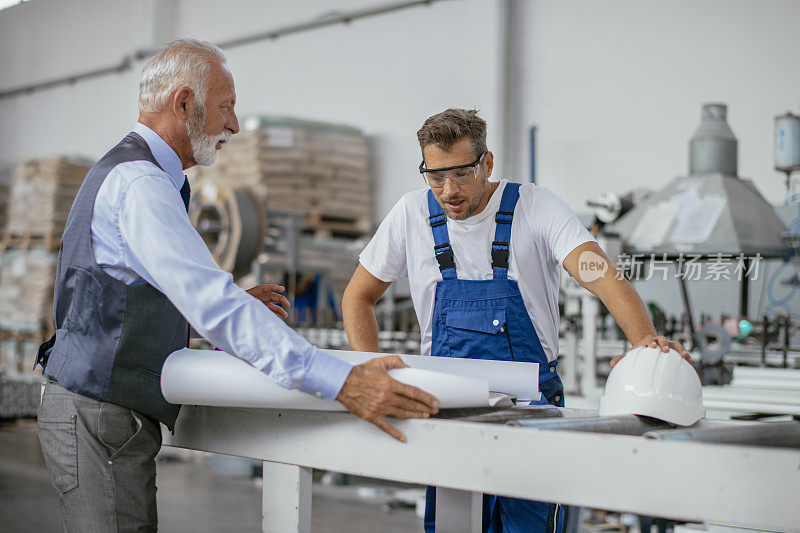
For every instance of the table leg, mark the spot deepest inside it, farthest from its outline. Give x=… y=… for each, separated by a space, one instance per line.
x=286 y=498
x=458 y=511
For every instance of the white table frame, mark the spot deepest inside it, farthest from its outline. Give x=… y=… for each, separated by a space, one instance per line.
x=737 y=485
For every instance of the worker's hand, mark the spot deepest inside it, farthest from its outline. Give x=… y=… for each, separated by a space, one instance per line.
x=371 y=394
x=271 y=296
x=658 y=341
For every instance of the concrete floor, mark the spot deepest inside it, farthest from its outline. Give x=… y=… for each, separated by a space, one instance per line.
x=194 y=495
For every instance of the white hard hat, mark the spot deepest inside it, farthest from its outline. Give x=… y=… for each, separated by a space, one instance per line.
x=649 y=382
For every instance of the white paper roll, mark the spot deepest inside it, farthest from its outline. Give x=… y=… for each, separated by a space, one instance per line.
x=210 y=377
x=509 y=377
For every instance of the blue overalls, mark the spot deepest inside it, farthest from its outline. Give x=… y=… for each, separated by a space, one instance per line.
x=487 y=319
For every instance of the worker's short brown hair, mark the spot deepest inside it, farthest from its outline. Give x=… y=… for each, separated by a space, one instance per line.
x=450 y=126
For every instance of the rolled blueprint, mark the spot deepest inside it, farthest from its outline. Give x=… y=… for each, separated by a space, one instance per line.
x=510 y=377
x=210 y=377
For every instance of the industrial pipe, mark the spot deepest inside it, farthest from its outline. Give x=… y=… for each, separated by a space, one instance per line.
x=776 y=434
x=618 y=425
x=126 y=63
x=489 y=415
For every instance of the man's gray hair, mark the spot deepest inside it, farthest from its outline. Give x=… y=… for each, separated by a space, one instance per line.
x=185 y=62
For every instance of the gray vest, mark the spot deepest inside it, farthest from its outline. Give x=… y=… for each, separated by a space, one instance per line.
x=111 y=338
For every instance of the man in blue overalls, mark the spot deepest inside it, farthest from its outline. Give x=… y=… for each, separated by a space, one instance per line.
x=482 y=259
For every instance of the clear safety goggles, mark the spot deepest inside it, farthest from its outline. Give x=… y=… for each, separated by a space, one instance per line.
x=459 y=174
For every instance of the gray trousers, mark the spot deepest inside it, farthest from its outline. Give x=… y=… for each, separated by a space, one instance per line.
x=101 y=459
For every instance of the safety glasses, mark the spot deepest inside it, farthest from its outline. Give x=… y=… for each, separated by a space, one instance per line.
x=459 y=174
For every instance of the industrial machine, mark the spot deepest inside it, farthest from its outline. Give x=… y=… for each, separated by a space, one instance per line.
x=699 y=221
x=786 y=148
x=710 y=212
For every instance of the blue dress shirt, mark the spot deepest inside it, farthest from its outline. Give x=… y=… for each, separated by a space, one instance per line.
x=141 y=233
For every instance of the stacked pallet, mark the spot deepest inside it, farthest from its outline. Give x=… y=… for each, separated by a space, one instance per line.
x=5 y=183
x=26 y=290
x=42 y=191
x=320 y=169
x=18 y=352
x=20 y=396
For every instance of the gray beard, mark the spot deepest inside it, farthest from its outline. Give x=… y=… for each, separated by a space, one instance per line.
x=204 y=147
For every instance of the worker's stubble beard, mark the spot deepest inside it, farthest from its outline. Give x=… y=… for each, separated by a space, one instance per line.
x=471 y=208
x=204 y=147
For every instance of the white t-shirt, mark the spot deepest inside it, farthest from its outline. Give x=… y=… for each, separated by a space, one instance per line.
x=544 y=231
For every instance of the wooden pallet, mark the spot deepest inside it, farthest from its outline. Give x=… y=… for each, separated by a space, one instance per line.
x=41 y=192
x=23 y=356
x=38 y=337
x=321 y=224
x=326 y=174
x=27 y=241
x=7 y=334
x=334 y=233
x=343 y=218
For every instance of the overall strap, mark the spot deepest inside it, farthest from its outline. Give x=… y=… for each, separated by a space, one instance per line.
x=502 y=235
x=441 y=239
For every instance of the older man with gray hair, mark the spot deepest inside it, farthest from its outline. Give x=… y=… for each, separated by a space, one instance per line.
x=133 y=276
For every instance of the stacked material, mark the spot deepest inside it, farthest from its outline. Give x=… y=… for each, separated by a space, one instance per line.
x=773 y=391
x=19 y=396
x=320 y=169
x=42 y=191
x=26 y=289
x=336 y=339
x=5 y=182
x=18 y=352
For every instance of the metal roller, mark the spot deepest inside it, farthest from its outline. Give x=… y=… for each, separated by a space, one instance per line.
x=714 y=342
x=617 y=425
x=776 y=434
x=511 y=415
x=489 y=415
x=231 y=223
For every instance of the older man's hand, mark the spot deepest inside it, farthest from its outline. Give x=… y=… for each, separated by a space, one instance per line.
x=659 y=341
x=271 y=296
x=371 y=394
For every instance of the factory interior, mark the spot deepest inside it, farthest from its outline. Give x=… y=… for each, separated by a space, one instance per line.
x=671 y=129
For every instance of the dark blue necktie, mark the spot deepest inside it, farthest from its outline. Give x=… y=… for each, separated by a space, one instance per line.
x=186 y=192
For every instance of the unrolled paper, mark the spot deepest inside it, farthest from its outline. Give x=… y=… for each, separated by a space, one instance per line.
x=510 y=377
x=209 y=377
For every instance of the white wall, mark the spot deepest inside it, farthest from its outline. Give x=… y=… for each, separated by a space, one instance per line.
x=616 y=87
x=384 y=74
x=45 y=39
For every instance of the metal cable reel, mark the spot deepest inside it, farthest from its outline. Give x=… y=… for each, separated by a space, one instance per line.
x=230 y=221
x=715 y=342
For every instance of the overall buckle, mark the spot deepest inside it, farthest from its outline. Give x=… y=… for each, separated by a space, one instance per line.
x=437 y=220
x=504 y=217
x=500 y=254
x=445 y=256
